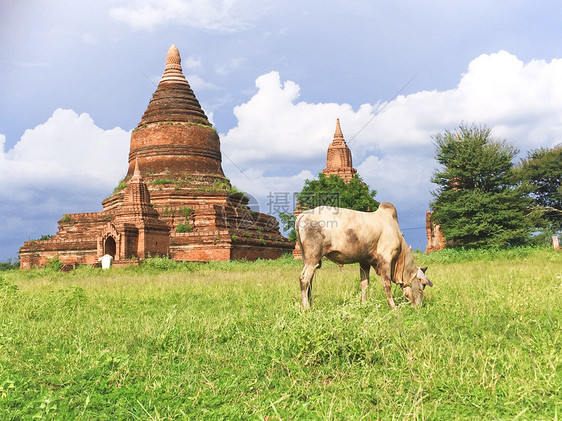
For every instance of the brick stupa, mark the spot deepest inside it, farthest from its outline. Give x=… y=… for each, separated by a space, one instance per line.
x=338 y=159
x=182 y=206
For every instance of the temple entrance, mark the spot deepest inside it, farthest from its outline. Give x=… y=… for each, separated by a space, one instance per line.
x=110 y=247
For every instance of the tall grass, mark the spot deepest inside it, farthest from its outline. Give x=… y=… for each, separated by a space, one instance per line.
x=228 y=340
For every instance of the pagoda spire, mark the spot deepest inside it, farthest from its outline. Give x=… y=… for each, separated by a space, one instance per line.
x=137 y=173
x=338 y=160
x=174 y=100
x=338 y=134
x=136 y=192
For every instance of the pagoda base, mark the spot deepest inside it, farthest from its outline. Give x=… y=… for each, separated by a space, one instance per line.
x=226 y=245
x=220 y=227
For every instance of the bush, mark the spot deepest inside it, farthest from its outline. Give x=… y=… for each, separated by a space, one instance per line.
x=161 y=181
x=9 y=265
x=54 y=264
x=122 y=184
x=184 y=228
x=187 y=212
x=163 y=263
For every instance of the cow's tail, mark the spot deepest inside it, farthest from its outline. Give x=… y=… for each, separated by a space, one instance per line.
x=297 y=231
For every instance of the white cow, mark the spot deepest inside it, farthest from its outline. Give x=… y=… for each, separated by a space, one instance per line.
x=368 y=238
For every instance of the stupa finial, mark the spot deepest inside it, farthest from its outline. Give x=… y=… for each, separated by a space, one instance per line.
x=338 y=134
x=173 y=72
x=173 y=59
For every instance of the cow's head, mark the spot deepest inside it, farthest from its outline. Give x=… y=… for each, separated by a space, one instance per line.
x=414 y=291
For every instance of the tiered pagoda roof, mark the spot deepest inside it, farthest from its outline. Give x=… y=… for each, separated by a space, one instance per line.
x=174 y=139
x=174 y=99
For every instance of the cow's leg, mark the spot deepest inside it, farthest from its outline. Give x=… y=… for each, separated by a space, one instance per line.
x=364 y=273
x=383 y=270
x=306 y=283
x=388 y=291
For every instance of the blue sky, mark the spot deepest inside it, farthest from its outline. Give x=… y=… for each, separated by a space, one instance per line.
x=76 y=76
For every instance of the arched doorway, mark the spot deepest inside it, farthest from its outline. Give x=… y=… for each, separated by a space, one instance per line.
x=110 y=247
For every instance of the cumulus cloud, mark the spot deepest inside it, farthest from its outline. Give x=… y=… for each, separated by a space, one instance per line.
x=520 y=102
x=66 y=164
x=274 y=194
x=272 y=126
x=211 y=15
x=392 y=142
x=67 y=149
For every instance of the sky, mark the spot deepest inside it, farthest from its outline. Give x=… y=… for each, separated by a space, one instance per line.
x=273 y=76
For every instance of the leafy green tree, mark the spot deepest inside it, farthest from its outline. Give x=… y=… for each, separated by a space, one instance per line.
x=478 y=202
x=332 y=191
x=288 y=224
x=540 y=173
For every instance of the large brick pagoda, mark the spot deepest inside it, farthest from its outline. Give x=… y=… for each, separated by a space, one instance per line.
x=181 y=206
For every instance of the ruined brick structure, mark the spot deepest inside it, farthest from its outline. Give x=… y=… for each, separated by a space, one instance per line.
x=182 y=206
x=435 y=239
x=338 y=162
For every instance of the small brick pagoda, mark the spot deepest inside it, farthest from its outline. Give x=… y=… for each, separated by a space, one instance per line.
x=338 y=160
x=182 y=206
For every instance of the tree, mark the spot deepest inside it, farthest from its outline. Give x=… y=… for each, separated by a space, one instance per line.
x=331 y=191
x=478 y=202
x=540 y=173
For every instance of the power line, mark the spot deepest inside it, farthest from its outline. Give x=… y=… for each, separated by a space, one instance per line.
x=413 y=228
x=384 y=106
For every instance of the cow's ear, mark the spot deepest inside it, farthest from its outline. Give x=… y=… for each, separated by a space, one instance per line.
x=424 y=269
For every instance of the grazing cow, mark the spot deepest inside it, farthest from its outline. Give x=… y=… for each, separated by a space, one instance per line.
x=368 y=238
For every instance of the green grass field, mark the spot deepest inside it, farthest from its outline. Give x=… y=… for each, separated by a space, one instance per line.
x=229 y=341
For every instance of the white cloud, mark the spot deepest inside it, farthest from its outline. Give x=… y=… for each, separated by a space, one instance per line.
x=397 y=178
x=211 y=15
x=523 y=106
x=64 y=165
x=67 y=149
x=273 y=127
x=521 y=102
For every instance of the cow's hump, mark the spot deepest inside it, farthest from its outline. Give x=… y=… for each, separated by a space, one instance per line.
x=389 y=208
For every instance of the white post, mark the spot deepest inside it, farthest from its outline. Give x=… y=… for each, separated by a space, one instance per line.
x=106 y=261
